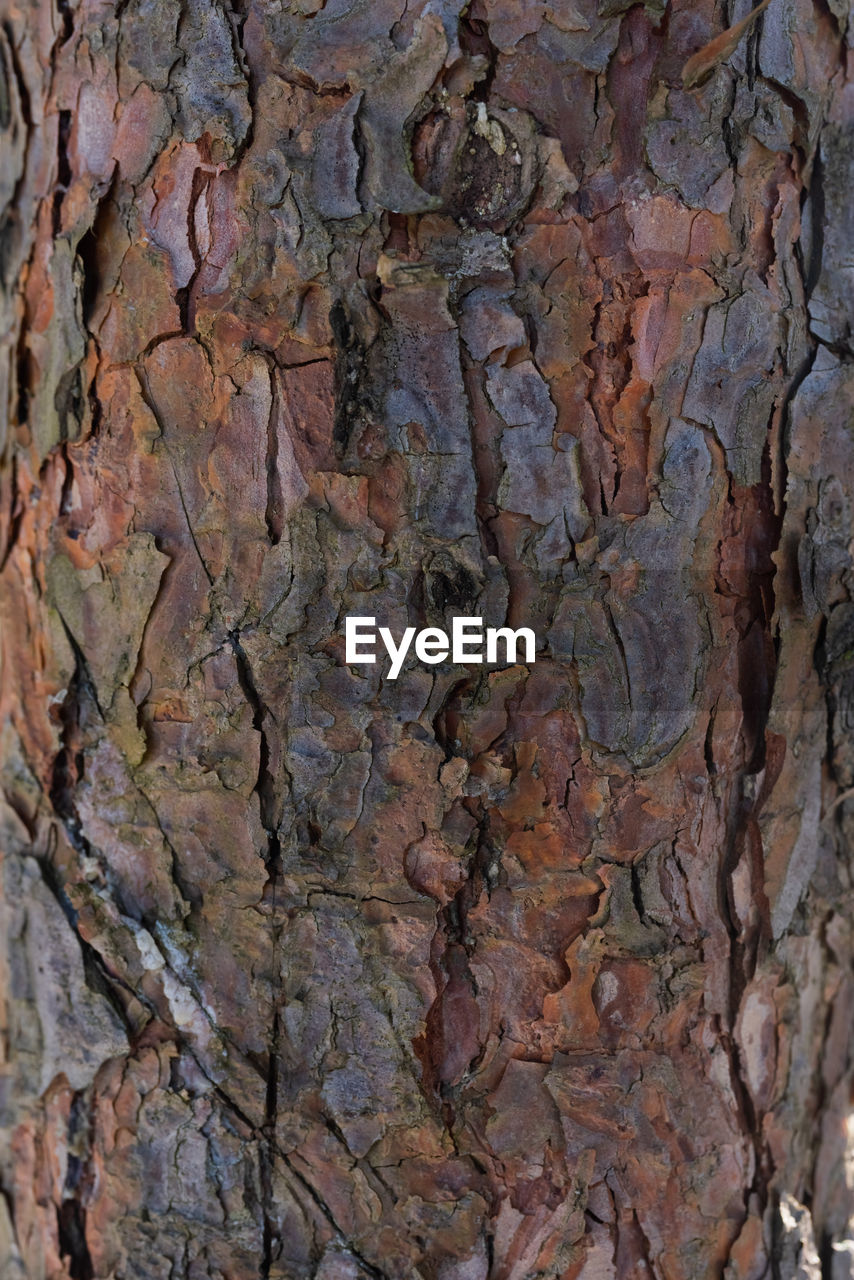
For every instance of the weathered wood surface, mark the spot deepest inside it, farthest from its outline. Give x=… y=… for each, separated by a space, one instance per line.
x=413 y=310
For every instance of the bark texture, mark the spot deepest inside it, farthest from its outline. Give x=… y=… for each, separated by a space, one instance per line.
x=413 y=310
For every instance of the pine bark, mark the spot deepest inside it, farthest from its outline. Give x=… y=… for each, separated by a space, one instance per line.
x=416 y=311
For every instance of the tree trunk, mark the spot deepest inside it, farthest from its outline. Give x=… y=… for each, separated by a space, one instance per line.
x=416 y=312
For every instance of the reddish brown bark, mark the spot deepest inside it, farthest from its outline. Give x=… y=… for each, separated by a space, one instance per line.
x=417 y=311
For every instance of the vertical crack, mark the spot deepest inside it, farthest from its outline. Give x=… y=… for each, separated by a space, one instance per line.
x=63 y=168
x=266 y=791
x=267 y=1156
x=274 y=512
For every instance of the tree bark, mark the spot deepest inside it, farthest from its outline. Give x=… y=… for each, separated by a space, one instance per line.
x=414 y=312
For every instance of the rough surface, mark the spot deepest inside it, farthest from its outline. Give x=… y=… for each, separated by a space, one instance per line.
x=413 y=310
